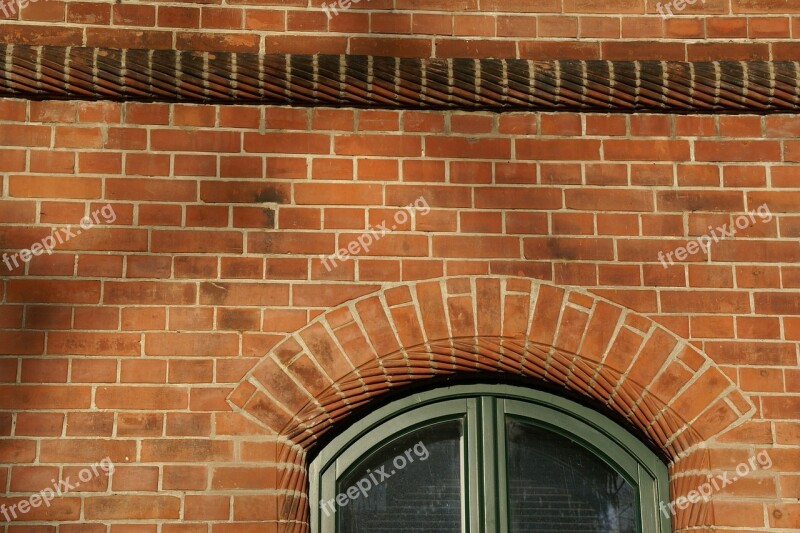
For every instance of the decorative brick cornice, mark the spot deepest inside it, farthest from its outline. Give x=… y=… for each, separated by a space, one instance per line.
x=73 y=73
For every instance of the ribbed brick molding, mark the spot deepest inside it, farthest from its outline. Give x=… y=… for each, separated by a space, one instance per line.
x=673 y=395
x=55 y=72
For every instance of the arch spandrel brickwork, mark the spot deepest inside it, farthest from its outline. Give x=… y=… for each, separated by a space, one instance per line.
x=627 y=365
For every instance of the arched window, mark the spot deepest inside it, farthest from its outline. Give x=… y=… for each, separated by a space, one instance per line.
x=486 y=458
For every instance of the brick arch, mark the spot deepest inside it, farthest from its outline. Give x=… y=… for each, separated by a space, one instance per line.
x=624 y=363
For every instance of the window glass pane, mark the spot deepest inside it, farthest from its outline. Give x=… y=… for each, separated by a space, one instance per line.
x=410 y=485
x=556 y=485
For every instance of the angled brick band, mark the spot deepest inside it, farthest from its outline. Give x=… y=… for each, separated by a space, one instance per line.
x=674 y=396
x=78 y=73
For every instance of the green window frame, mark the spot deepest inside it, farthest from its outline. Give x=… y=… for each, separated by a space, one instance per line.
x=483 y=410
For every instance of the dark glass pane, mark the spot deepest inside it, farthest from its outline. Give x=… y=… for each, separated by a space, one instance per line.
x=556 y=485
x=410 y=485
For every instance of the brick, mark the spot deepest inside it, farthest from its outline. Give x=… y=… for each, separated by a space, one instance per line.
x=244 y=192
x=53 y=291
x=90 y=424
x=264 y=20
x=780 y=407
x=305 y=44
x=425 y=170
x=39 y=424
x=191 y=344
x=243 y=478
x=209 y=42
x=650 y=150
x=132 y=507
x=689 y=200
x=156 y=398
x=337 y=194
x=86 y=451
x=88 y=13
x=52 y=162
x=137 y=371
x=139 y=424
x=434 y=195
x=237 y=294
x=242 y=267
x=17 y=451
x=750 y=353
x=558 y=50
x=54 y=187
x=327 y=295
x=78 y=137
x=195 y=165
x=94 y=371
x=463 y=246
x=12 y=160
x=21 y=343
x=190 y=371
x=149 y=293
x=680 y=301
x=517 y=197
x=32 y=478
x=188 y=424
x=132 y=15
x=481 y=222
x=186 y=450
x=142 y=318
x=558 y=149
x=180 y=477
x=538 y=248
x=761 y=252
x=776 y=303
x=139 y=113
x=606 y=200
x=287 y=143
x=405 y=47
x=200 y=507
x=777 y=202
x=135 y=478
x=240 y=167
x=44 y=371
x=151 y=190
x=378 y=145
x=178 y=17
x=167 y=241
x=108 y=239
x=195 y=141
x=221 y=18
x=239 y=117
x=628 y=50
x=737 y=151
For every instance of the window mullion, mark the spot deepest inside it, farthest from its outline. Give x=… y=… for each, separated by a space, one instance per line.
x=489 y=461
x=472 y=468
x=502 y=467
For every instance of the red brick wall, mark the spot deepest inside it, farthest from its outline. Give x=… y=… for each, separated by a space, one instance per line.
x=536 y=29
x=136 y=340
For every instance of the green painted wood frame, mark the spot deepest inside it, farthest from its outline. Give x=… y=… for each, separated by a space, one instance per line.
x=482 y=410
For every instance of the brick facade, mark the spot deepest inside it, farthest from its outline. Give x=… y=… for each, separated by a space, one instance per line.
x=200 y=342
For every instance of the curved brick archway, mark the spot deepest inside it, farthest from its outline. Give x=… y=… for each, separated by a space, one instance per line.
x=624 y=363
